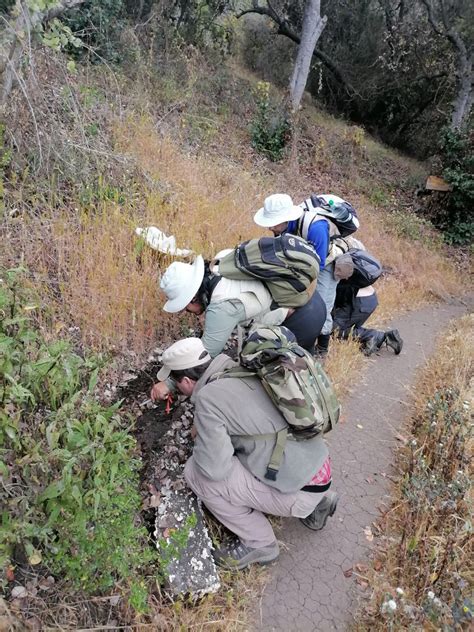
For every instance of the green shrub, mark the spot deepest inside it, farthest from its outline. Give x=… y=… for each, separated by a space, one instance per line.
x=68 y=464
x=455 y=217
x=270 y=128
x=98 y=24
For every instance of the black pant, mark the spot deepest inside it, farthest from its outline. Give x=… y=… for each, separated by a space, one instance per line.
x=349 y=318
x=307 y=321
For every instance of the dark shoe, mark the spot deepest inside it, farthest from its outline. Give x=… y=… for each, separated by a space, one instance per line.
x=374 y=344
x=318 y=517
x=322 y=345
x=394 y=341
x=238 y=556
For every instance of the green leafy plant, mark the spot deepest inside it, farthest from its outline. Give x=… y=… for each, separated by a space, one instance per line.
x=454 y=217
x=170 y=548
x=270 y=128
x=68 y=464
x=98 y=23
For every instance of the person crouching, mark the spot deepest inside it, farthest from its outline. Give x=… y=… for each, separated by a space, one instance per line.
x=227 y=467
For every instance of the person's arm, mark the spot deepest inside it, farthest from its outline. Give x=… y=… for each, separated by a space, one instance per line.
x=318 y=236
x=221 y=320
x=213 y=449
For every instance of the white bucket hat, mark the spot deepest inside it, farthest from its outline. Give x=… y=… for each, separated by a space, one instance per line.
x=183 y=354
x=277 y=208
x=180 y=283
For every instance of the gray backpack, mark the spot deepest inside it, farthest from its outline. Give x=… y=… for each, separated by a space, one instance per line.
x=287 y=265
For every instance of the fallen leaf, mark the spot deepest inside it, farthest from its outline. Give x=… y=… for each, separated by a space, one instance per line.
x=368 y=534
x=34 y=624
x=155 y=500
x=168 y=532
x=361 y=568
x=363 y=583
x=46 y=583
x=10 y=574
x=19 y=592
x=401 y=438
x=35 y=558
x=348 y=572
x=377 y=565
x=152 y=489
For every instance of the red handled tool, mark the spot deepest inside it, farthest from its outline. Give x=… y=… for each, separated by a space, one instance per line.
x=169 y=401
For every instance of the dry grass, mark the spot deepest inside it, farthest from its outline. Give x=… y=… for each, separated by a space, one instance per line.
x=209 y=199
x=426 y=547
x=83 y=258
x=231 y=610
x=343 y=362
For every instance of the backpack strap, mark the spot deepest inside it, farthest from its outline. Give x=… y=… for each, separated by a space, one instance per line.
x=281 y=436
x=236 y=371
x=333 y=417
x=310 y=216
x=275 y=460
x=304 y=222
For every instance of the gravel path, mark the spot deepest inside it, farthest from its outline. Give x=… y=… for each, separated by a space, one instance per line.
x=307 y=589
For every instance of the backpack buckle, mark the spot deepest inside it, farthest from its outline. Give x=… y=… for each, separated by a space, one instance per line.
x=271 y=473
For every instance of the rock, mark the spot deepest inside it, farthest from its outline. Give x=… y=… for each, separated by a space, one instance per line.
x=190 y=568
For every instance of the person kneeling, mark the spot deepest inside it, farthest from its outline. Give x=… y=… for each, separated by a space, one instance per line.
x=227 y=468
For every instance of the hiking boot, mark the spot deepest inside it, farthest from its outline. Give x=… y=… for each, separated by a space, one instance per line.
x=374 y=344
x=394 y=340
x=322 y=346
x=238 y=556
x=318 y=517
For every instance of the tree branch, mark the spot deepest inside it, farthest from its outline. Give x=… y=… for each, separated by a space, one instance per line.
x=431 y=18
x=284 y=29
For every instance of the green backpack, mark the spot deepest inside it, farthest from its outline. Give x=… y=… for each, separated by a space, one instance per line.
x=287 y=265
x=294 y=381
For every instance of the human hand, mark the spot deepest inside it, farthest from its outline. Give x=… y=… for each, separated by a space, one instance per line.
x=159 y=392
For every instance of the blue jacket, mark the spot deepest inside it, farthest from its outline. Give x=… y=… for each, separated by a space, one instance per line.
x=318 y=236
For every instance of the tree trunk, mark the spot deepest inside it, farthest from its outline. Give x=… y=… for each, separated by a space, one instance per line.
x=464 y=96
x=313 y=25
x=446 y=24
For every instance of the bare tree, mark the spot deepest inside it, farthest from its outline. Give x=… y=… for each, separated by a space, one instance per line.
x=17 y=34
x=285 y=28
x=313 y=26
x=447 y=19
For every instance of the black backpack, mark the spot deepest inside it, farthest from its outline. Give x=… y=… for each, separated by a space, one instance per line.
x=367 y=269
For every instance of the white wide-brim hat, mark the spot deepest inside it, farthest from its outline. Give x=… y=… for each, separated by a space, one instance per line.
x=180 y=283
x=277 y=208
x=183 y=354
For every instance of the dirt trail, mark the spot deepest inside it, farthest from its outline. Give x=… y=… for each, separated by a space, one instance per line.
x=307 y=589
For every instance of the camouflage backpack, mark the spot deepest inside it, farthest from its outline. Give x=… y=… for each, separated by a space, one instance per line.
x=294 y=381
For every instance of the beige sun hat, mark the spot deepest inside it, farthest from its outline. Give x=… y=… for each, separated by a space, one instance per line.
x=183 y=354
x=180 y=283
x=277 y=208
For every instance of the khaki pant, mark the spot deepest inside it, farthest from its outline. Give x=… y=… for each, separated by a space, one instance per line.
x=240 y=500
